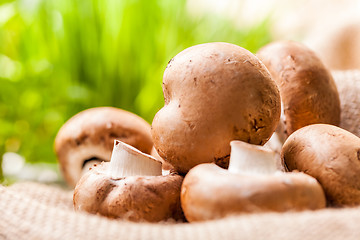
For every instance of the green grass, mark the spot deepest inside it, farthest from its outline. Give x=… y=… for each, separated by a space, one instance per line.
x=60 y=57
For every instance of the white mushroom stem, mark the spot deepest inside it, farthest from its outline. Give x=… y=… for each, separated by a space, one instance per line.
x=247 y=158
x=128 y=161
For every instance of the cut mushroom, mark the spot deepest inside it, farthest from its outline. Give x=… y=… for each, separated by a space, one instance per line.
x=88 y=137
x=307 y=89
x=251 y=185
x=332 y=156
x=127 y=161
x=247 y=159
x=275 y=143
x=130 y=187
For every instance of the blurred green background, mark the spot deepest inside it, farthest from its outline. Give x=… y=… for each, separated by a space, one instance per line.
x=58 y=57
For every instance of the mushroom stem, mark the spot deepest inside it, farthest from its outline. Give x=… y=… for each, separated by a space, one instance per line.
x=247 y=158
x=128 y=161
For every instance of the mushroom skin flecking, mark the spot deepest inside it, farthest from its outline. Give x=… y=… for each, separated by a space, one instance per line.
x=214 y=93
x=329 y=154
x=88 y=138
x=308 y=91
x=251 y=185
x=130 y=187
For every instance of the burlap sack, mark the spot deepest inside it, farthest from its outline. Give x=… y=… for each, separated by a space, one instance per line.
x=36 y=211
x=348 y=84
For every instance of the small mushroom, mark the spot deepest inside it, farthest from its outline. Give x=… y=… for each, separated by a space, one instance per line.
x=214 y=93
x=332 y=156
x=88 y=138
x=250 y=185
x=130 y=187
x=307 y=89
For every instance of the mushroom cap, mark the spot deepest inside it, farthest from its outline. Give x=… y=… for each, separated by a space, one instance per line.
x=308 y=91
x=90 y=135
x=210 y=192
x=214 y=93
x=166 y=166
x=332 y=156
x=135 y=198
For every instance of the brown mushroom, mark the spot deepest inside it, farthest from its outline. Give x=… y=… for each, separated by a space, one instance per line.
x=214 y=93
x=307 y=89
x=167 y=167
x=88 y=138
x=329 y=154
x=250 y=185
x=130 y=187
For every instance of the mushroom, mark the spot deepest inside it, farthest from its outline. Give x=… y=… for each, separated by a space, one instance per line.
x=332 y=156
x=275 y=143
x=214 y=93
x=166 y=167
x=250 y=185
x=130 y=187
x=88 y=137
x=308 y=91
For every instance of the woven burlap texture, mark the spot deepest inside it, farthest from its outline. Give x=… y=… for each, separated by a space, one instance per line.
x=348 y=84
x=37 y=211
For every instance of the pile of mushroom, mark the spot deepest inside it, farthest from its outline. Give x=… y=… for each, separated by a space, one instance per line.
x=216 y=94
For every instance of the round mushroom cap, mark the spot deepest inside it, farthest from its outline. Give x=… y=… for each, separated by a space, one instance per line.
x=329 y=154
x=210 y=192
x=88 y=137
x=135 y=198
x=166 y=166
x=308 y=91
x=214 y=93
